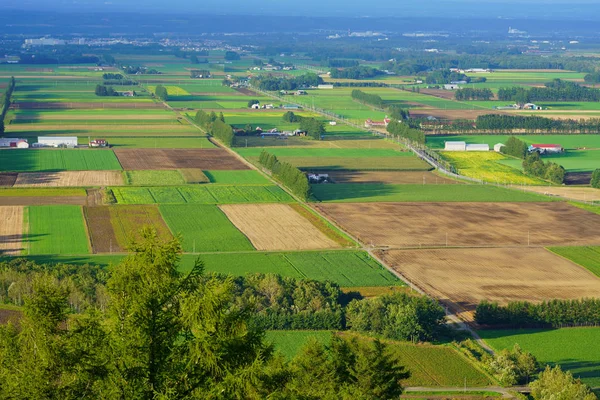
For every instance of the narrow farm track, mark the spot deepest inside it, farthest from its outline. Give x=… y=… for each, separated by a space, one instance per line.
x=506 y=392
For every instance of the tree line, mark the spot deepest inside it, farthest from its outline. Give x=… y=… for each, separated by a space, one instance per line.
x=547 y=314
x=313 y=127
x=445 y=76
x=367 y=98
x=356 y=72
x=294 y=179
x=473 y=94
x=557 y=90
x=216 y=126
x=112 y=76
x=515 y=147
x=6 y=101
x=163 y=334
x=161 y=92
x=274 y=83
x=103 y=91
x=404 y=130
x=544 y=126
x=338 y=63
x=534 y=165
x=595 y=180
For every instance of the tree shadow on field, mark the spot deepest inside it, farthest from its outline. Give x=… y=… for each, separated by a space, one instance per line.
x=351 y=191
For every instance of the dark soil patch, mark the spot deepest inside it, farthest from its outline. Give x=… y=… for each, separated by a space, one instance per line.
x=161 y=159
x=102 y=234
x=578 y=178
x=7 y=179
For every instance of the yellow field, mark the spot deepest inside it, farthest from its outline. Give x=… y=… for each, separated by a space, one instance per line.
x=483 y=165
x=171 y=90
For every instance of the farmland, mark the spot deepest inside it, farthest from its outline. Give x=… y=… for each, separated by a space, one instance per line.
x=218 y=194
x=101 y=230
x=11 y=230
x=574 y=349
x=567 y=141
x=127 y=221
x=276 y=227
x=156 y=178
x=204 y=228
x=588 y=257
x=438 y=224
x=32 y=160
x=464 y=277
x=389 y=177
x=69 y=179
x=485 y=166
x=376 y=192
x=244 y=177
x=56 y=230
x=159 y=159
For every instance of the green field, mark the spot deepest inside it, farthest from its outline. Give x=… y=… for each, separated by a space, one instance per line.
x=347 y=268
x=158 y=142
x=57 y=230
x=150 y=177
x=243 y=177
x=574 y=349
x=41 y=192
x=204 y=228
x=32 y=160
x=378 y=192
x=571 y=160
x=429 y=365
x=326 y=153
x=588 y=257
x=208 y=194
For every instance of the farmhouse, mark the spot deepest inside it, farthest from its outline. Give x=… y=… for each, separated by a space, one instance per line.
x=56 y=141
x=98 y=143
x=455 y=146
x=14 y=142
x=371 y=124
x=546 y=148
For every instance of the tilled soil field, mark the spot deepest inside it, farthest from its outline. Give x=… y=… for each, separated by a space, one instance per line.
x=39 y=105
x=568 y=192
x=102 y=234
x=466 y=224
x=204 y=159
x=11 y=230
x=7 y=179
x=276 y=227
x=388 y=177
x=41 y=200
x=462 y=278
x=69 y=179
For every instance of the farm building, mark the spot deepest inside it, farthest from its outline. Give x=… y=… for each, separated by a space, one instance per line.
x=478 y=147
x=98 y=143
x=325 y=87
x=57 y=141
x=369 y=123
x=498 y=147
x=332 y=123
x=455 y=146
x=451 y=87
x=128 y=93
x=546 y=148
x=291 y=107
x=14 y=142
x=255 y=106
x=531 y=106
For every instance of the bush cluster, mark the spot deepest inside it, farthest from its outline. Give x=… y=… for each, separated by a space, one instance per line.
x=405 y=131
x=535 y=166
x=216 y=126
x=515 y=147
x=473 y=94
x=294 y=179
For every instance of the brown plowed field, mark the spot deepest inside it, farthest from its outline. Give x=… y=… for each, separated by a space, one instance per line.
x=205 y=159
x=462 y=278
x=466 y=224
x=69 y=179
x=102 y=234
x=389 y=177
x=41 y=200
x=276 y=227
x=127 y=221
x=11 y=230
x=33 y=105
x=7 y=179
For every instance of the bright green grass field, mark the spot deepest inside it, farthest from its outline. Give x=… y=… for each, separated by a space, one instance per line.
x=160 y=142
x=377 y=192
x=156 y=178
x=289 y=343
x=574 y=349
x=57 y=230
x=571 y=160
x=208 y=194
x=347 y=268
x=327 y=152
x=566 y=141
x=32 y=160
x=204 y=228
x=588 y=257
x=242 y=177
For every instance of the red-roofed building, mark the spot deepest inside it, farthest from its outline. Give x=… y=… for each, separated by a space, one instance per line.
x=370 y=123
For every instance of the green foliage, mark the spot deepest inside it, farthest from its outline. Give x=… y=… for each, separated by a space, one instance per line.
x=445 y=76
x=511 y=367
x=398 y=316
x=355 y=72
x=595 y=181
x=557 y=90
x=272 y=83
x=313 y=127
x=104 y=91
x=515 y=147
x=38 y=160
x=252 y=102
x=286 y=173
x=289 y=116
x=6 y=101
x=404 y=130
x=215 y=126
x=554 y=384
x=535 y=166
x=473 y=94
x=504 y=122
x=161 y=92
x=367 y=98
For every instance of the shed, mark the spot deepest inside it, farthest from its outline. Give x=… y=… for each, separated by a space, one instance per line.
x=478 y=147
x=498 y=147
x=57 y=141
x=455 y=146
x=10 y=142
x=451 y=87
x=325 y=86
x=22 y=144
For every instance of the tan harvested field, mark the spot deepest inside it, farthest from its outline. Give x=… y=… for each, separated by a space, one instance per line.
x=388 y=177
x=31 y=105
x=462 y=278
x=399 y=225
x=444 y=94
x=84 y=117
x=276 y=227
x=69 y=179
x=568 y=192
x=11 y=230
x=450 y=114
x=42 y=200
x=205 y=159
x=58 y=129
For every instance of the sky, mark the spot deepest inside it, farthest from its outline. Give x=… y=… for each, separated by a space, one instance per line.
x=545 y=9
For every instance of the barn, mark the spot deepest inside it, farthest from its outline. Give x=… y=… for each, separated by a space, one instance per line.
x=57 y=141
x=14 y=142
x=455 y=146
